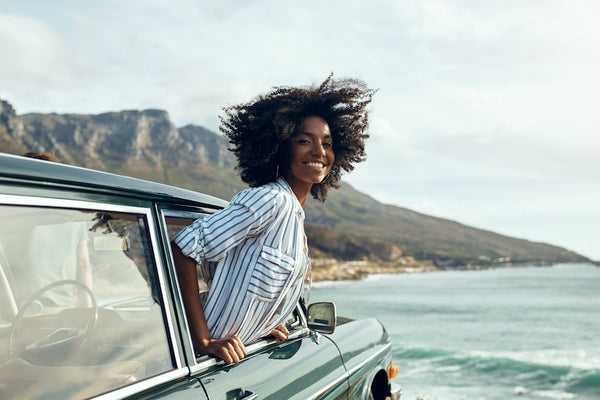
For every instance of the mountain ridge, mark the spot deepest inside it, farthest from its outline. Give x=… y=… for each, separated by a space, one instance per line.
x=350 y=225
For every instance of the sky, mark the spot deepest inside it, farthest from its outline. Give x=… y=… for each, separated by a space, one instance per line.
x=487 y=112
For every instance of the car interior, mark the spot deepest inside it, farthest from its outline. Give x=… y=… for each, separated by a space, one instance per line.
x=80 y=309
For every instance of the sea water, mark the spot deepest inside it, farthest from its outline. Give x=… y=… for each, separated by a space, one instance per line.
x=509 y=333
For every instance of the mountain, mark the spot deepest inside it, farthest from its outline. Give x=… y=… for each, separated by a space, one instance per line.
x=349 y=226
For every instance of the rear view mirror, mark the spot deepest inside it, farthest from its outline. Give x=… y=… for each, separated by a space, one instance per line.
x=110 y=243
x=321 y=317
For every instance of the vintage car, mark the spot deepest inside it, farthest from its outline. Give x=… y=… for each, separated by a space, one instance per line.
x=90 y=306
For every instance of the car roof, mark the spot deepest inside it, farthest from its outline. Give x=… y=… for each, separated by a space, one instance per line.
x=51 y=173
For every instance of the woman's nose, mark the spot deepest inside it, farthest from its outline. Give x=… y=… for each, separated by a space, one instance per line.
x=319 y=149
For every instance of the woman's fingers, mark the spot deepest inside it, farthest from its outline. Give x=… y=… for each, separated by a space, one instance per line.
x=282 y=328
x=239 y=347
x=230 y=350
x=280 y=333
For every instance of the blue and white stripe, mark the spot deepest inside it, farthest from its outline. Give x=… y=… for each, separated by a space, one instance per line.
x=258 y=242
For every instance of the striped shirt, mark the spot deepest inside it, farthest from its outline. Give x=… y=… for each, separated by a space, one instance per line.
x=260 y=246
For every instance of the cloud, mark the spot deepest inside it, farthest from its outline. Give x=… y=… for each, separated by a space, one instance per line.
x=31 y=51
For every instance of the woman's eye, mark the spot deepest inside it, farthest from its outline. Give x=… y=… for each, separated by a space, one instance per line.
x=328 y=145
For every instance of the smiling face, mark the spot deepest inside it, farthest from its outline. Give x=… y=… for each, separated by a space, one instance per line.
x=311 y=156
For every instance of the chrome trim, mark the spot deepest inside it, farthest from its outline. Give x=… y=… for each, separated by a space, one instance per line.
x=367 y=360
x=303 y=320
x=395 y=391
x=248 y=395
x=143 y=385
x=160 y=271
x=163 y=214
x=330 y=386
x=299 y=332
x=25 y=200
x=204 y=362
x=184 y=214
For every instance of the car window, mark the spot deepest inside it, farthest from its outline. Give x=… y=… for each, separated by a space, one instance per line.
x=80 y=311
x=175 y=222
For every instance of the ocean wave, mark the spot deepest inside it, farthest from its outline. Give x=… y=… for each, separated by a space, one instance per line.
x=552 y=357
x=544 y=394
x=538 y=374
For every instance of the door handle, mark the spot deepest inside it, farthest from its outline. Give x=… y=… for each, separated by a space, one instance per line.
x=248 y=395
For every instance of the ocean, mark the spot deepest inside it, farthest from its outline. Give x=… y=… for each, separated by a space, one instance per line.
x=509 y=333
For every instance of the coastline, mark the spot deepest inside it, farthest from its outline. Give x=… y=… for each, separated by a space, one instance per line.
x=336 y=270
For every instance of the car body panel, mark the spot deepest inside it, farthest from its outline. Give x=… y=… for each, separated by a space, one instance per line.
x=175 y=386
x=366 y=349
x=186 y=389
x=299 y=369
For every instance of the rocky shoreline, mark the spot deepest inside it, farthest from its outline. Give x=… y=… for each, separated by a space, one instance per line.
x=335 y=270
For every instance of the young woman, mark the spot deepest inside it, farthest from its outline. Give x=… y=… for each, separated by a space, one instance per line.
x=288 y=143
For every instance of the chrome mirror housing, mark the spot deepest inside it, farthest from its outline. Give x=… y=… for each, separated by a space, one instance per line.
x=322 y=317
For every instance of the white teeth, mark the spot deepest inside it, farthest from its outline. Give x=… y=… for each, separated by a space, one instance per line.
x=312 y=164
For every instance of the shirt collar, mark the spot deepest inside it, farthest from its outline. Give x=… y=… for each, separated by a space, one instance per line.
x=286 y=186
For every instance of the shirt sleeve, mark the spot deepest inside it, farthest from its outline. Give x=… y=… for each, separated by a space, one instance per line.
x=248 y=214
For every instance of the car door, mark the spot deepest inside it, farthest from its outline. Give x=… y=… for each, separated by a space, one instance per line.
x=303 y=367
x=84 y=311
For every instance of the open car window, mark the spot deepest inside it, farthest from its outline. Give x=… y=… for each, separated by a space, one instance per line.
x=176 y=221
x=80 y=310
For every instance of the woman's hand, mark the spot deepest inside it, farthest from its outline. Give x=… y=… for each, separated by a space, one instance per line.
x=280 y=333
x=230 y=350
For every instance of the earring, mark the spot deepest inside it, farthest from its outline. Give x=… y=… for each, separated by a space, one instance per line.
x=277 y=172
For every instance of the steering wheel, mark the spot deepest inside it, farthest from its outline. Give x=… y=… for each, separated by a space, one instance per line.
x=61 y=338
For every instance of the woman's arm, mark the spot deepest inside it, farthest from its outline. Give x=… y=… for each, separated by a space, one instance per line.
x=230 y=350
x=212 y=236
x=84 y=272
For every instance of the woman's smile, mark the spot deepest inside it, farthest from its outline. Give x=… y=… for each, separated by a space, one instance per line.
x=317 y=165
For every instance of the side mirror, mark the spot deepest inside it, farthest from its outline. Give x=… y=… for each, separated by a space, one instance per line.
x=321 y=317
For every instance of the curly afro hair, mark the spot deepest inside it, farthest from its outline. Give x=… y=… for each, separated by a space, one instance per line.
x=260 y=131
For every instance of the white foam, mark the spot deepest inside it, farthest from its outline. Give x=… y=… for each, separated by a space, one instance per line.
x=545 y=394
x=520 y=391
x=553 y=394
x=552 y=357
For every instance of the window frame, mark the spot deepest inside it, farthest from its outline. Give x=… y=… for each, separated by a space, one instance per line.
x=202 y=363
x=164 y=213
x=179 y=368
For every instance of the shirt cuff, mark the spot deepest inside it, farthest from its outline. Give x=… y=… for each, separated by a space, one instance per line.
x=191 y=241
